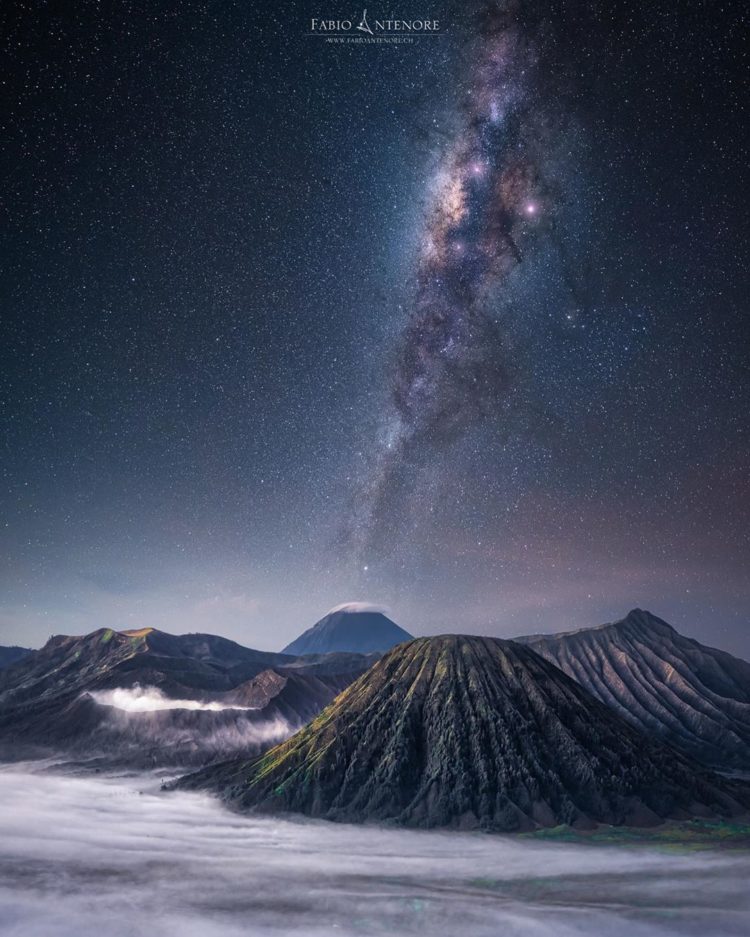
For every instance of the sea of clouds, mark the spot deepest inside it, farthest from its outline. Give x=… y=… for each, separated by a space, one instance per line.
x=114 y=857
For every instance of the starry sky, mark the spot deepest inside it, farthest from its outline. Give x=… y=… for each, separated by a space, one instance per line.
x=455 y=326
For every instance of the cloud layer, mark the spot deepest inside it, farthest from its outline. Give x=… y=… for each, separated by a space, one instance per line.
x=82 y=857
x=357 y=607
x=148 y=699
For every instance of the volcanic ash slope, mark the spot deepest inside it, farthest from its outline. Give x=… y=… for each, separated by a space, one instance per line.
x=467 y=732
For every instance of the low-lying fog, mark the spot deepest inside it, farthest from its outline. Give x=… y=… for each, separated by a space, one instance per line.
x=148 y=699
x=104 y=857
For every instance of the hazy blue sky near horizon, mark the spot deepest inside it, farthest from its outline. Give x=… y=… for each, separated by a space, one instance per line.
x=253 y=367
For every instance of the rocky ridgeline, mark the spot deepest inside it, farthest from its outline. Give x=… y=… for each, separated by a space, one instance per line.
x=469 y=732
x=697 y=698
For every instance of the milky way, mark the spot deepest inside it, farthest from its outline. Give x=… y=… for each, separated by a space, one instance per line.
x=469 y=311
x=452 y=367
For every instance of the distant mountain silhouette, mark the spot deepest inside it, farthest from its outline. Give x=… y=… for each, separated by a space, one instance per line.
x=60 y=698
x=11 y=655
x=697 y=698
x=350 y=628
x=459 y=731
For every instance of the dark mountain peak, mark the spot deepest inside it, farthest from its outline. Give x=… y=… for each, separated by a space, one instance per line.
x=248 y=698
x=641 y=620
x=353 y=627
x=101 y=637
x=108 y=643
x=12 y=655
x=637 y=621
x=260 y=690
x=693 y=696
x=470 y=731
x=200 y=646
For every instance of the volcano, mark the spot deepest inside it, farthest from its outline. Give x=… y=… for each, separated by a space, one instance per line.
x=352 y=627
x=472 y=732
x=695 y=697
x=210 y=697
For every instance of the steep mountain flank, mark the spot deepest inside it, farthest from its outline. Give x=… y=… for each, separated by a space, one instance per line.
x=149 y=698
x=697 y=698
x=472 y=732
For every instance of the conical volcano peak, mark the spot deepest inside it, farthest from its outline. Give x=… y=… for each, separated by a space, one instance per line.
x=426 y=662
x=355 y=627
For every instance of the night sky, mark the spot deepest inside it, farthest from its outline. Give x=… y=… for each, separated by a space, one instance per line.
x=457 y=327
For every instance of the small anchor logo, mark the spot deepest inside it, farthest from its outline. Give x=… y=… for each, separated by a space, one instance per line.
x=364 y=26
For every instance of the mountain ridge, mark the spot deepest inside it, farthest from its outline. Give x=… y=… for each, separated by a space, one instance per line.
x=12 y=654
x=471 y=732
x=692 y=696
x=62 y=697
